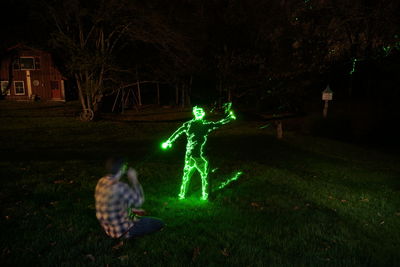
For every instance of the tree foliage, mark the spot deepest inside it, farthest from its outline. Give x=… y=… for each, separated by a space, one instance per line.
x=256 y=49
x=86 y=35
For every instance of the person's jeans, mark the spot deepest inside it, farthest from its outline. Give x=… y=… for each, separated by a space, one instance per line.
x=145 y=225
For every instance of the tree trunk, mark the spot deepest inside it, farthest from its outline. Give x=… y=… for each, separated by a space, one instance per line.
x=10 y=75
x=158 y=94
x=351 y=86
x=183 y=95
x=97 y=103
x=189 y=91
x=89 y=102
x=80 y=91
x=220 y=93
x=95 y=108
x=176 y=94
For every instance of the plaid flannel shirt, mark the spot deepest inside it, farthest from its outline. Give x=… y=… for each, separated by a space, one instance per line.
x=113 y=201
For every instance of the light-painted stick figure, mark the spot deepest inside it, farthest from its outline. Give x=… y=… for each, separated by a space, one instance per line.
x=196 y=131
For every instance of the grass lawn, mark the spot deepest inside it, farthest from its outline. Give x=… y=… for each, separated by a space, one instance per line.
x=302 y=201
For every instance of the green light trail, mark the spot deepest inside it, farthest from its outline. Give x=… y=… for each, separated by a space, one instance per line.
x=353 y=66
x=234 y=178
x=389 y=48
x=386 y=52
x=197 y=131
x=264 y=126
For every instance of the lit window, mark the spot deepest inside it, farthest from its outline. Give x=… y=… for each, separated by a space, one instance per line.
x=4 y=85
x=19 y=88
x=27 y=63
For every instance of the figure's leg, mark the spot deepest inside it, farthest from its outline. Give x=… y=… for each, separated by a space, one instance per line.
x=187 y=174
x=202 y=167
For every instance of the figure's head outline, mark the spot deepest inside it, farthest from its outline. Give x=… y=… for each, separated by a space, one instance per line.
x=198 y=112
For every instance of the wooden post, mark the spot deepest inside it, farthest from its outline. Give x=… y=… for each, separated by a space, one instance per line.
x=325 y=111
x=28 y=83
x=327 y=95
x=139 y=95
x=62 y=90
x=279 y=130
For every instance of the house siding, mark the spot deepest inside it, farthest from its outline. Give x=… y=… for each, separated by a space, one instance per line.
x=44 y=76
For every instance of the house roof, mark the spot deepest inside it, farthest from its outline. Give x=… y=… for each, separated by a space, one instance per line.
x=21 y=46
x=11 y=51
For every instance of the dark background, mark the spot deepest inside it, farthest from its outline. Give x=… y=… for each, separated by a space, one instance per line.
x=270 y=56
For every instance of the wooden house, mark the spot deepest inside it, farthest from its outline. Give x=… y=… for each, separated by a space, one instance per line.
x=27 y=74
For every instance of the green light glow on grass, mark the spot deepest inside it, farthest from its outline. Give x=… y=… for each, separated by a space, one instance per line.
x=234 y=178
x=197 y=131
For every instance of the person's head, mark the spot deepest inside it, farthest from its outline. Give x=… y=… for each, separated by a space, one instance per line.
x=116 y=166
x=198 y=113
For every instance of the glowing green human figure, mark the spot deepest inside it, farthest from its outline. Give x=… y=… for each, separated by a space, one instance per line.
x=197 y=131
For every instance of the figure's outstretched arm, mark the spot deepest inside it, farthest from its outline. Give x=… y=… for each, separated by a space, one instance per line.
x=174 y=136
x=230 y=115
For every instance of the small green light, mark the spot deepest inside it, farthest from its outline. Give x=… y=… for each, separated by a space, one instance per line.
x=197 y=131
x=165 y=145
x=387 y=50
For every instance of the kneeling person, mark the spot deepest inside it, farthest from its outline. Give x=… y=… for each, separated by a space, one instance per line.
x=115 y=200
